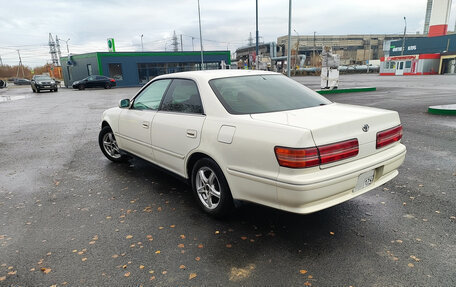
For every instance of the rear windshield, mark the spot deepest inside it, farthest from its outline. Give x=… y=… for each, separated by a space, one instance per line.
x=43 y=78
x=264 y=94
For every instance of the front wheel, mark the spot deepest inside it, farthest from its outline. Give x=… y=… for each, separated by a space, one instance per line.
x=81 y=87
x=107 y=86
x=211 y=188
x=108 y=145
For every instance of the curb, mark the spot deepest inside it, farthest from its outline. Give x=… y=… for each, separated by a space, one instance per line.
x=443 y=110
x=350 y=90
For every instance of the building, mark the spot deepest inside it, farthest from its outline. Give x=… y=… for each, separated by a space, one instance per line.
x=352 y=49
x=264 y=49
x=421 y=56
x=137 y=68
x=435 y=54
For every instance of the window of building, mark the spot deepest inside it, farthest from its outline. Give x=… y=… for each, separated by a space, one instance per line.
x=89 y=70
x=115 y=71
x=69 y=74
x=182 y=97
x=408 y=64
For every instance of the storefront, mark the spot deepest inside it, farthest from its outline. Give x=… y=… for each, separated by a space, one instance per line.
x=137 y=68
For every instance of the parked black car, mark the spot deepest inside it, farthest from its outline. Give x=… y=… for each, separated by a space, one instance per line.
x=21 y=82
x=43 y=82
x=2 y=84
x=95 y=81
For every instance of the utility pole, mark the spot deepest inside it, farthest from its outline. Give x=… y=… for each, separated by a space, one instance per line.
x=1 y=62
x=289 y=39
x=256 y=58
x=193 y=47
x=201 y=36
x=403 y=40
x=20 y=66
x=175 y=44
x=182 y=45
x=57 y=45
x=142 y=46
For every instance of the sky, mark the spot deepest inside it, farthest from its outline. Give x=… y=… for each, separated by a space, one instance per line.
x=226 y=24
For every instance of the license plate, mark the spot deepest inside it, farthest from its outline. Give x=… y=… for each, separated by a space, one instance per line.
x=364 y=180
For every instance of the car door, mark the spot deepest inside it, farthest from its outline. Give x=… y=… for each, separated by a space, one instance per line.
x=135 y=122
x=176 y=128
x=90 y=82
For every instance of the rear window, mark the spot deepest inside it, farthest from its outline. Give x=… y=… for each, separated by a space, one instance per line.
x=264 y=94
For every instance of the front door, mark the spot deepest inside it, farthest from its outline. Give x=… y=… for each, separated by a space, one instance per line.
x=400 y=68
x=176 y=128
x=135 y=123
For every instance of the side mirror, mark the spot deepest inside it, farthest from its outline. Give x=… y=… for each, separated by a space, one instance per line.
x=125 y=103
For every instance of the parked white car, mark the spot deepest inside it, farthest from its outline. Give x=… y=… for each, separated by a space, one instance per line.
x=255 y=136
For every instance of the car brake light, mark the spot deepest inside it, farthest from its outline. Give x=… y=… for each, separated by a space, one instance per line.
x=309 y=157
x=338 y=151
x=297 y=157
x=112 y=80
x=389 y=136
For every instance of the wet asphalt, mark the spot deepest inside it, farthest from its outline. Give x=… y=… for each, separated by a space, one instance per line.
x=68 y=216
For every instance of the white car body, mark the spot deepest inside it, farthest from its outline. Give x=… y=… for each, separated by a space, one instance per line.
x=243 y=145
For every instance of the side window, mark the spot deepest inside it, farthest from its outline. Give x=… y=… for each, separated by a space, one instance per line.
x=183 y=97
x=151 y=96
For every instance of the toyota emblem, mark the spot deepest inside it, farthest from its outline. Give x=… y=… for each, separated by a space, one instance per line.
x=366 y=128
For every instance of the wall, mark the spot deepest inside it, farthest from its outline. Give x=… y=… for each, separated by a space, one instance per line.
x=78 y=69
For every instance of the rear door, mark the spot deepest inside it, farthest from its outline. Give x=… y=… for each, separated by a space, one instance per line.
x=176 y=128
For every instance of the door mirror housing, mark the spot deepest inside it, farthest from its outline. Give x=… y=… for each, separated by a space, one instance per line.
x=125 y=103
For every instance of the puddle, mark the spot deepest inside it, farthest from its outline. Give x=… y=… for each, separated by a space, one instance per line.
x=12 y=98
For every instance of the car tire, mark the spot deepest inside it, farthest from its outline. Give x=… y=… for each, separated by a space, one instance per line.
x=37 y=90
x=108 y=145
x=81 y=87
x=33 y=90
x=211 y=189
x=56 y=89
x=107 y=86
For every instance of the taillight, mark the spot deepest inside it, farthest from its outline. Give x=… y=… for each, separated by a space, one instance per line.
x=297 y=157
x=389 y=136
x=314 y=156
x=112 y=80
x=338 y=151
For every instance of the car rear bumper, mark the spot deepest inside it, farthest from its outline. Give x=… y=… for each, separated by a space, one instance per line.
x=316 y=191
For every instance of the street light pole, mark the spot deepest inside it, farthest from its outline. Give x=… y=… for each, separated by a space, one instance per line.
x=289 y=39
x=201 y=37
x=256 y=58
x=142 y=46
x=403 y=39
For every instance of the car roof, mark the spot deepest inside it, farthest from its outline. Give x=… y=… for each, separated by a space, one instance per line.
x=208 y=75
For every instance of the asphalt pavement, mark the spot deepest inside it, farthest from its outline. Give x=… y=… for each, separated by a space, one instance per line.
x=68 y=216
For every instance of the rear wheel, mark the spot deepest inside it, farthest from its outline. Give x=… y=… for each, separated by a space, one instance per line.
x=108 y=145
x=56 y=89
x=107 y=86
x=211 y=188
x=81 y=87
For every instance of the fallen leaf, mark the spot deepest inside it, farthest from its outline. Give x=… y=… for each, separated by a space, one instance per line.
x=92 y=242
x=48 y=254
x=12 y=273
x=217 y=232
x=127 y=274
x=237 y=274
x=243 y=237
x=332 y=233
x=81 y=252
x=410 y=265
x=182 y=267
x=141 y=266
x=415 y=258
x=191 y=276
x=115 y=256
x=3 y=278
x=108 y=217
x=33 y=269
x=124 y=266
x=157 y=252
x=229 y=245
x=181 y=245
x=200 y=245
x=399 y=241
x=161 y=227
x=302 y=271
x=310 y=277
x=129 y=237
x=307 y=283
x=437 y=211
x=84 y=259
x=182 y=236
x=152 y=278
x=172 y=226
x=197 y=259
x=46 y=270
x=151 y=271
x=74 y=251
x=164 y=272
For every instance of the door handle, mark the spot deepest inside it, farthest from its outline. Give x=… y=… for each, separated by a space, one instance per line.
x=191 y=133
x=145 y=125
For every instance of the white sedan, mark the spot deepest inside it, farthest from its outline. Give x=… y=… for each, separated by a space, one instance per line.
x=255 y=136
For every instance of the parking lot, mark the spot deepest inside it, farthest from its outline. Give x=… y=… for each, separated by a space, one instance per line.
x=68 y=216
